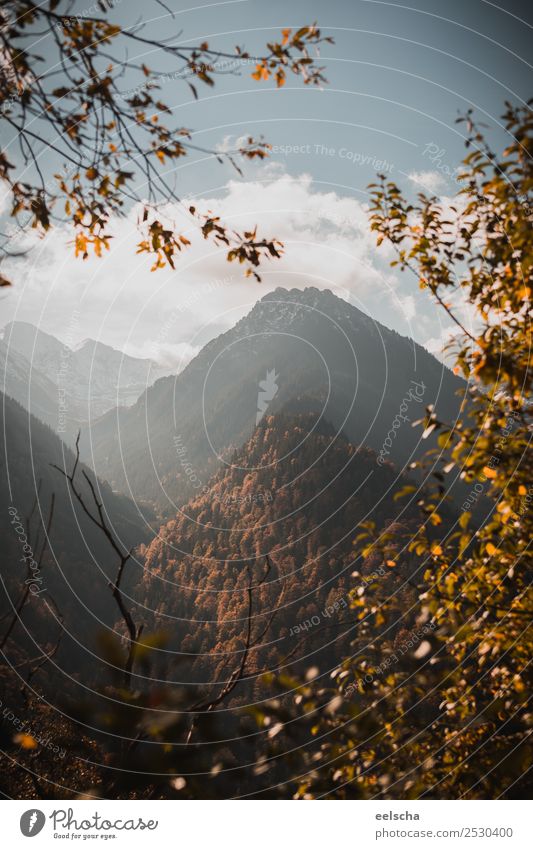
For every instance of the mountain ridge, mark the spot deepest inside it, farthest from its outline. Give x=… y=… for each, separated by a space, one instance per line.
x=330 y=357
x=85 y=380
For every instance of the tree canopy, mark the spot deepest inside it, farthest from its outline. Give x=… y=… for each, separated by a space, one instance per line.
x=92 y=135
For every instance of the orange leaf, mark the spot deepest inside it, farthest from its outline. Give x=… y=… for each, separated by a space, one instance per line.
x=26 y=741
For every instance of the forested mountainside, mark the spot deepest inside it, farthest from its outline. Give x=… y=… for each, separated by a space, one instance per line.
x=280 y=518
x=72 y=586
x=320 y=353
x=258 y=569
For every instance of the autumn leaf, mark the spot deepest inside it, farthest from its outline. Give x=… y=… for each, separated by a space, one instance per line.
x=26 y=741
x=286 y=35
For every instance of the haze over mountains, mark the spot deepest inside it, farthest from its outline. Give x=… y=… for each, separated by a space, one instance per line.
x=321 y=355
x=65 y=386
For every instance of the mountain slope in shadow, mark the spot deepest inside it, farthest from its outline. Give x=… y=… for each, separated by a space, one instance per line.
x=70 y=596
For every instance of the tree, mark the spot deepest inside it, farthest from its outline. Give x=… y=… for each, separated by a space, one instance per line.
x=92 y=147
x=436 y=702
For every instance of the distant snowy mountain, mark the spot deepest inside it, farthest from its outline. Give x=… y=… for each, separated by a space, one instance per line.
x=65 y=386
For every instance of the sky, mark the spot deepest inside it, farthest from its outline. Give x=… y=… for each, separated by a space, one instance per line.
x=398 y=77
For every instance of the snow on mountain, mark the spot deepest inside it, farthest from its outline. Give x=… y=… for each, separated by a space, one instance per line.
x=64 y=385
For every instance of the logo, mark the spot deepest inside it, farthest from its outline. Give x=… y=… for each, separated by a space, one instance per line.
x=268 y=389
x=32 y=822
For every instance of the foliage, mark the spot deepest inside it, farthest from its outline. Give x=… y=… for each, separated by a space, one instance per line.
x=441 y=710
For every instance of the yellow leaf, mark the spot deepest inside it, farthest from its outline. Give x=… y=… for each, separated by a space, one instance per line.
x=391 y=563
x=489 y=473
x=26 y=741
x=436 y=550
x=522 y=490
x=491 y=549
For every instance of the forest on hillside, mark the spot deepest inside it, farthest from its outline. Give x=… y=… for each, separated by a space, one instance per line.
x=266 y=411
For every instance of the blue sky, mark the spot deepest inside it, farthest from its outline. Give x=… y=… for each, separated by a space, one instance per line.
x=398 y=75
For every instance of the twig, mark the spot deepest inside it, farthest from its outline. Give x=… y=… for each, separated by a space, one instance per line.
x=100 y=521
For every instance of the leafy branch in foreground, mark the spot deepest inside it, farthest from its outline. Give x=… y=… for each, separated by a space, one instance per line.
x=95 y=137
x=436 y=700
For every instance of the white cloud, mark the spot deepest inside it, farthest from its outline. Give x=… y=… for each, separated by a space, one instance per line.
x=407 y=306
x=174 y=357
x=430 y=181
x=169 y=315
x=436 y=344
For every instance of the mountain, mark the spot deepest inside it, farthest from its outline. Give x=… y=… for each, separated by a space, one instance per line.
x=29 y=387
x=296 y=351
x=73 y=583
x=65 y=386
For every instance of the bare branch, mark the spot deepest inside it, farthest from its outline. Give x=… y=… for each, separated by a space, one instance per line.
x=100 y=521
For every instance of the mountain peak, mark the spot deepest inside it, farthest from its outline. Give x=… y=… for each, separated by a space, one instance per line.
x=283 y=308
x=309 y=295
